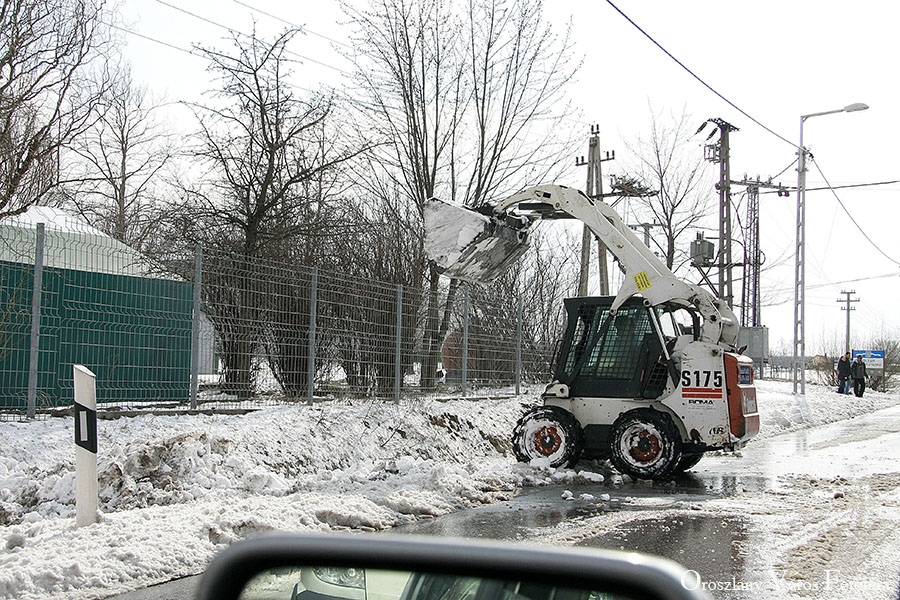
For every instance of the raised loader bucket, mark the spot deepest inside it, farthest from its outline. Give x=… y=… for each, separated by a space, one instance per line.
x=467 y=245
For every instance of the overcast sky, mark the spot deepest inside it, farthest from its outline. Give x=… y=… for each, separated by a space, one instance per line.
x=775 y=60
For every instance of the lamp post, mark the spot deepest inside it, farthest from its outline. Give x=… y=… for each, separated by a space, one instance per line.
x=798 y=369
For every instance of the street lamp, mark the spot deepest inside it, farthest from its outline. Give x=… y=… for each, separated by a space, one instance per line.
x=799 y=363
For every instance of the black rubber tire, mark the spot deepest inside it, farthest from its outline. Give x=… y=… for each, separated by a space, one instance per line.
x=688 y=461
x=644 y=444
x=548 y=432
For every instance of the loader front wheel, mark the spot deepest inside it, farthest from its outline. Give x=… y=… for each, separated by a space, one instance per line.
x=548 y=432
x=644 y=444
x=688 y=461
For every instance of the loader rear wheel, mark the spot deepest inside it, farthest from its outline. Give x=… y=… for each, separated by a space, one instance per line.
x=548 y=432
x=644 y=444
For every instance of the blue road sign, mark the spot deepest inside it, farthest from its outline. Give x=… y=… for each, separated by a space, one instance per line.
x=874 y=359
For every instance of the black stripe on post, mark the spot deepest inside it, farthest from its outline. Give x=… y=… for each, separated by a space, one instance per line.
x=86 y=428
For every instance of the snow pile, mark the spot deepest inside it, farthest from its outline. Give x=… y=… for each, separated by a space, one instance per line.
x=175 y=489
x=447 y=448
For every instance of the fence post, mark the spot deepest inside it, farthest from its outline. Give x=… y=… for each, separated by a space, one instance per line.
x=465 y=348
x=86 y=486
x=35 y=345
x=398 y=374
x=311 y=362
x=519 y=345
x=195 y=326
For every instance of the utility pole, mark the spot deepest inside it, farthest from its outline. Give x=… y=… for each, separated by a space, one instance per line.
x=594 y=190
x=646 y=227
x=719 y=152
x=847 y=300
x=750 y=296
x=798 y=372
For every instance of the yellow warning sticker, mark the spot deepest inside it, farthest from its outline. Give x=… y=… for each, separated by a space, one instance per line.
x=642 y=281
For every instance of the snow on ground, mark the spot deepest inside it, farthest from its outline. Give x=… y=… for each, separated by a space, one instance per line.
x=821 y=537
x=175 y=489
x=780 y=411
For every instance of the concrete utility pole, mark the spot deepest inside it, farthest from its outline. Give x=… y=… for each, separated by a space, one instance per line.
x=719 y=152
x=847 y=300
x=593 y=189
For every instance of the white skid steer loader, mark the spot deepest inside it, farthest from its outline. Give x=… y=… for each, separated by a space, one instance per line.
x=650 y=378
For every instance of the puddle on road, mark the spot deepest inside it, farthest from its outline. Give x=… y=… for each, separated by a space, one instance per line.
x=510 y=520
x=543 y=508
x=711 y=546
x=718 y=484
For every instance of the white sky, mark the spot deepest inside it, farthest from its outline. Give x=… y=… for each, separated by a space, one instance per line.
x=775 y=60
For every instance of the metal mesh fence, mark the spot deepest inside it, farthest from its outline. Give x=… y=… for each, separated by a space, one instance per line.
x=279 y=332
x=253 y=332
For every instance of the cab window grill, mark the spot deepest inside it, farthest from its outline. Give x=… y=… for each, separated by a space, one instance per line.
x=616 y=356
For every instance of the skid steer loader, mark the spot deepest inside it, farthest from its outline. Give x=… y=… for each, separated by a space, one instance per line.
x=650 y=378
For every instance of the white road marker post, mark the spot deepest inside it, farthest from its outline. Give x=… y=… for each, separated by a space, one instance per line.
x=86 y=486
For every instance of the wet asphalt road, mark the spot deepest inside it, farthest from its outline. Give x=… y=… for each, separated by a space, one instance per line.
x=709 y=545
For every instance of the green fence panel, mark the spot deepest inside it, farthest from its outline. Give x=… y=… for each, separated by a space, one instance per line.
x=134 y=333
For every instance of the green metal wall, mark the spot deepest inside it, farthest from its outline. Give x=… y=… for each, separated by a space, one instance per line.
x=134 y=333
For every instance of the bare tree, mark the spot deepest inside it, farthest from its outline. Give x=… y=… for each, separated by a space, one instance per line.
x=264 y=145
x=123 y=157
x=517 y=72
x=668 y=161
x=543 y=278
x=268 y=150
x=466 y=104
x=50 y=81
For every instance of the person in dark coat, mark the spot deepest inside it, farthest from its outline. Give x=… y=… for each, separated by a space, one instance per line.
x=858 y=373
x=843 y=372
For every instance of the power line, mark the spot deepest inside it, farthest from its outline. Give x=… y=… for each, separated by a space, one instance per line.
x=831 y=284
x=194 y=53
x=152 y=39
x=837 y=187
x=783 y=172
x=234 y=31
x=286 y=22
x=697 y=77
x=836 y=197
x=340 y=43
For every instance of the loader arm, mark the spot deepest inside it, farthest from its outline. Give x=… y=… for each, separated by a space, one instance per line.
x=645 y=274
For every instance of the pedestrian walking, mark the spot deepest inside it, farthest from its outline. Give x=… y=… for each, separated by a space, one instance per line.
x=843 y=372
x=858 y=374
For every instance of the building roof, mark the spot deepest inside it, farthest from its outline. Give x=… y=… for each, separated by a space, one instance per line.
x=71 y=243
x=56 y=219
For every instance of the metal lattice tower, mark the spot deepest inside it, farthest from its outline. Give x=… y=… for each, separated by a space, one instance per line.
x=750 y=297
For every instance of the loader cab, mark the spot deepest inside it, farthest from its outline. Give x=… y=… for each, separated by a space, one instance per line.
x=621 y=355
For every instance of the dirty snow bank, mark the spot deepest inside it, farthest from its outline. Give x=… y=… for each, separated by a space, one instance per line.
x=174 y=489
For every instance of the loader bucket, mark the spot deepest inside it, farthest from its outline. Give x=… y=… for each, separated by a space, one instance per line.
x=470 y=246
